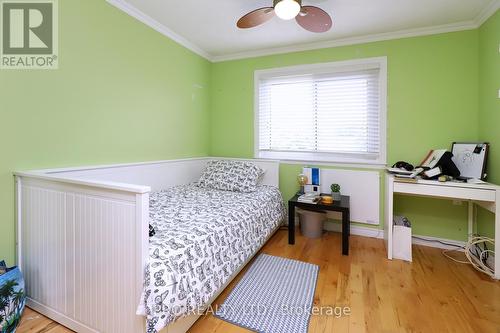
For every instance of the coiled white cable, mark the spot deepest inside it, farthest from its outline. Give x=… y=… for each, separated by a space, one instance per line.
x=473 y=251
x=478 y=261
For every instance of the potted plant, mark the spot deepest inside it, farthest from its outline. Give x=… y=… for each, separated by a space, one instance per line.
x=335 y=192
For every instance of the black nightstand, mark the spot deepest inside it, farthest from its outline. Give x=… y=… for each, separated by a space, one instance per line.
x=341 y=206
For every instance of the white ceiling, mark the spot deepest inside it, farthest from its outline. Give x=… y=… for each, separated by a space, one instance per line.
x=209 y=27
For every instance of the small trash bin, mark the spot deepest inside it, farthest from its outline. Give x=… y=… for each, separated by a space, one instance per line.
x=401 y=238
x=311 y=223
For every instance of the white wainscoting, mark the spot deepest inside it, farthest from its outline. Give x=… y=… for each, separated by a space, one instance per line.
x=70 y=235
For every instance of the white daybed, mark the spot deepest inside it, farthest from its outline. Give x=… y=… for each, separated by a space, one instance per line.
x=83 y=239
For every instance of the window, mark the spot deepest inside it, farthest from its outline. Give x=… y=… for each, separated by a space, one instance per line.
x=327 y=112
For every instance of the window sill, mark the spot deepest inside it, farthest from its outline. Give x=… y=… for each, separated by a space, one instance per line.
x=335 y=164
x=336 y=160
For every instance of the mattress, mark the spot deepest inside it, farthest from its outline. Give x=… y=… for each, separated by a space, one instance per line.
x=202 y=237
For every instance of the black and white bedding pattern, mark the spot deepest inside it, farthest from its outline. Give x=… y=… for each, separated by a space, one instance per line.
x=202 y=237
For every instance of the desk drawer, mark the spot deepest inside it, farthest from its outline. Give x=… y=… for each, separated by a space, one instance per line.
x=445 y=192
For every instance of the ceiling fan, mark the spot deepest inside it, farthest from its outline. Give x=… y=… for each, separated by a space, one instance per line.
x=311 y=18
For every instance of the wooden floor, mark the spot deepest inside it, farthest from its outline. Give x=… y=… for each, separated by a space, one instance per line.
x=432 y=294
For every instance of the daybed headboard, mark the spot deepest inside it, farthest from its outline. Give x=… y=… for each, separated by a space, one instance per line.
x=156 y=175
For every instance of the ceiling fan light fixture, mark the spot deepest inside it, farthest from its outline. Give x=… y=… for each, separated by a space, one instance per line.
x=287 y=9
x=311 y=18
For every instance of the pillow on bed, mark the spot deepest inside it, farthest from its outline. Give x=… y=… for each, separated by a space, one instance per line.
x=229 y=175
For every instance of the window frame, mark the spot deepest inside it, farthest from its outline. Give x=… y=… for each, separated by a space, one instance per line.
x=379 y=63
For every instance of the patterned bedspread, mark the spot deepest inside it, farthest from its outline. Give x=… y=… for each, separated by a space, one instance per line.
x=202 y=237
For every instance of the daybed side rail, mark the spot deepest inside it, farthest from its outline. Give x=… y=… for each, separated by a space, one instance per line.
x=82 y=250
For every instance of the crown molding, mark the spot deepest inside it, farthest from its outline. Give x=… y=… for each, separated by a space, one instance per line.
x=131 y=10
x=487 y=12
x=152 y=23
x=350 y=41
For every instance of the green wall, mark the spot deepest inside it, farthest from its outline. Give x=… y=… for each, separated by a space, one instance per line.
x=432 y=101
x=489 y=85
x=122 y=93
x=125 y=93
x=489 y=104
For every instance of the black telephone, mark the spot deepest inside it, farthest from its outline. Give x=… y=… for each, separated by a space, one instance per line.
x=403 y=165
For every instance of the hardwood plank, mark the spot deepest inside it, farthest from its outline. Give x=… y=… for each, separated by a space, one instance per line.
x=432 y=294
x=33 y=322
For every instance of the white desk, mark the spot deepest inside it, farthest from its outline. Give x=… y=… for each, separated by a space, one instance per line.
x=485 y=195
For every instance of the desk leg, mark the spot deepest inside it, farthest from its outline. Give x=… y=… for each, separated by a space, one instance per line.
x=389 y=199
x=291 y=223
x=346 y=230
x=497 y=236
x=470 y=220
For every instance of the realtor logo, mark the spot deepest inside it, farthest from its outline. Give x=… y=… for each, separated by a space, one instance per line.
x=29 y=34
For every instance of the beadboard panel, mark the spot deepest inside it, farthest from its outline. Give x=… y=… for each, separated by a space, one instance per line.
x=69 y=244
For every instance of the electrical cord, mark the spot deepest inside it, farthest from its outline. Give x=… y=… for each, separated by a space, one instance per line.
x=475 y=250
x=479 y=262
x=438 y=241
x=477 y=253
x=445 y=252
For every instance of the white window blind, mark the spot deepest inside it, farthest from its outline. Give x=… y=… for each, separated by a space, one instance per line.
x=331 y=116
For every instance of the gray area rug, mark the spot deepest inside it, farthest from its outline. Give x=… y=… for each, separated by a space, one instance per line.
x=275 y=295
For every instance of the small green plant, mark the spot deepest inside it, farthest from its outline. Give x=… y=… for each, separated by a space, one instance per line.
x=335 y=188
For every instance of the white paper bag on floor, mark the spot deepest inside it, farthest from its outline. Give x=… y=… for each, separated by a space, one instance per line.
x=401 y=243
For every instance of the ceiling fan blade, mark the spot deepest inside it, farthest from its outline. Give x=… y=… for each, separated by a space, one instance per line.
x=256 y=17
x=314 y=19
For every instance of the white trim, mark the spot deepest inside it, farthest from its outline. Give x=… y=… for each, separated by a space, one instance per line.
x=434 y=242
x=434 y=30
x=346 y=65
x=336 y=165
x=91 y=183
x=19 y=230
x=308 y=156
x=382 y=61
x=142 y=231
x=379 y=233
x=58 y=317
x=161 y=28
x=133 y=11
x=341 y=66
x=487 y=12
x=105 y=166
x=121 y=165
x=256 y=113
x=355 y=230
